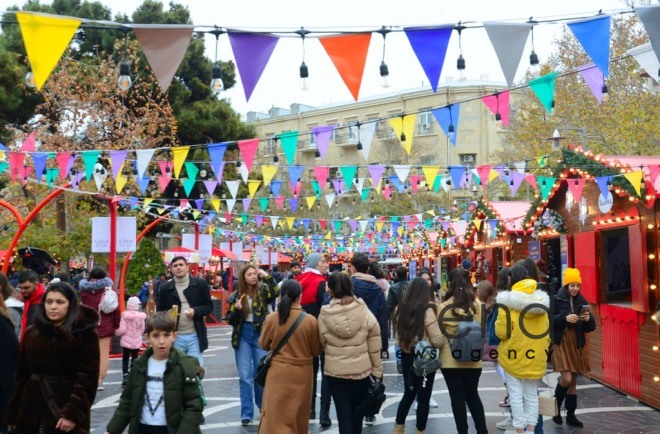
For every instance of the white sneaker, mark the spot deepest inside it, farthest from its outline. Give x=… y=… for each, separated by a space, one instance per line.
x=415 y=405
x=433 y=403
x=505 y=424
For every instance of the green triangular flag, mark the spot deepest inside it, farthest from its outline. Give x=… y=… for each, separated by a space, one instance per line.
x=289 y=145
x=3 y=167
x=348 y=172
x=244 y=219
x=545 y=184
x=316 y=188
x=337 y=224
x=428 y=223
x=436 y=183
x=365 y=193
x=191 y=170
x=263 y=202
x=188 y=185
x=51 y=175
x=544 y=88
x=89 y=160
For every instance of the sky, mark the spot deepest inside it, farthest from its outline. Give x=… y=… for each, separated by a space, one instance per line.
x=280 y=83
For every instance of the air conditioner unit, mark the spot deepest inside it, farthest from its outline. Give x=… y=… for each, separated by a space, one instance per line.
x=426 y=126
x=467 y=158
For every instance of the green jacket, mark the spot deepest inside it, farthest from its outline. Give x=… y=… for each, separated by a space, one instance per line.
x=183 y=401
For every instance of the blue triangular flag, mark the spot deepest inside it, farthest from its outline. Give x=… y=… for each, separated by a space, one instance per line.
x=217 y=154
x=447 y=116
x=295 y=172
x=430 y=47
x=144 y=183
x=594 y=36
x=39 y=160
x=456 y=173
x=602 y=184
x=275 y=187
x=396 y=182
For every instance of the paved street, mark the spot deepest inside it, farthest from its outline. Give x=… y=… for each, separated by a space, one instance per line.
x=601 y=409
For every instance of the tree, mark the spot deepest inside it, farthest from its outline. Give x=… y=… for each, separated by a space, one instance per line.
x=146 y=263
x=629 y=123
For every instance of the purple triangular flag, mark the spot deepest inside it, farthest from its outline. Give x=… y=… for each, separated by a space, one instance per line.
x=295 y=172
x=259 y=219
x=246 y=203
x=322 y=136
x=39 y=161
x=602 y=184
x=210 y=186
x=353 y=224
x=275 y=187
x=199 y=203
x=293 y=203
x=594 y=79
x=252 y=52
x=376 y=172
x=72 y=161
x=117 y=159
x=336 y=183
x=517 y=179
x=430 y=47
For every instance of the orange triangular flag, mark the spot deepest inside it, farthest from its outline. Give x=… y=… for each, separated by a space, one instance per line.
x=164 y=48
x=349 y=54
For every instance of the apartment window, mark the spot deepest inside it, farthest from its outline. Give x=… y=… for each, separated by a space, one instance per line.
x=425 y=122
x=351 y=133
x=271 y=144
x=427 y=160
x=336 y=133
x=469 y=160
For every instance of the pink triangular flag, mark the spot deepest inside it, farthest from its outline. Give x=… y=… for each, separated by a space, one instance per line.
x=531 y=180
x=16 y=160
x=62 y=159
x=28 y=144
x=166 y=168
x=163 y=181
x=484 y=174
x=279 y=201
x=321 y=173
x=654 y=171
x=576 y=185
x=248 y=150
x=164 y=48
x=499 y=103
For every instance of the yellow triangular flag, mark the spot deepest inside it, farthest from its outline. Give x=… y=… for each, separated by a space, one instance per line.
x=160 y=210
x=493 y=175
x=405 y=126
x=147 y=201
x=635 y=178
x=379 y=226
x=400 y=231
x=430 y=172
x=477 y=223
x=195 y=214
x=289 y=221
x=310 y=201
x=179 y=157
x=281 y=223
x=120 y=182
x=45 y=38
x=432 y=212
x=253 y=186
x=268 y=172
x=216 y=204
x=328 y=236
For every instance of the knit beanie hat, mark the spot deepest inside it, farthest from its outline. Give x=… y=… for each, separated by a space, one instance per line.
x=133 y=303
x=572 y=275
x=466 y=265
x=312 y=260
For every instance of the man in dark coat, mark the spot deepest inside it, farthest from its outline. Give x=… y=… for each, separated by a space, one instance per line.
x=192 y=297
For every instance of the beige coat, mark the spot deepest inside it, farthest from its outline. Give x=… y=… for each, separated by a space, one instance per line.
x=287 y=396
x=431 y=331
x=350 y=337
x=451 y=327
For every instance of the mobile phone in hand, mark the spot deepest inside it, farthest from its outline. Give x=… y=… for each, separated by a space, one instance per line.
x=584 y=310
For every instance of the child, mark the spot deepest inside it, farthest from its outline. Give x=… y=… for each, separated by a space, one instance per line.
x=175 y=409
x=131 y=329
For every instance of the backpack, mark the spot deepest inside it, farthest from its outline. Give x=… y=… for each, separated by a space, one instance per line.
x=109 y=301
x=470 y=345
x=427 y=359
x=143 y=295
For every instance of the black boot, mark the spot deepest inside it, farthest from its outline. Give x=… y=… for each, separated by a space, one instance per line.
x=324 y=419
x=560 y=394
x=571 y=405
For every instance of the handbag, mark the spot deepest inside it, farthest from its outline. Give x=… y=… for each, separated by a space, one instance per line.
x=264 y=363
x=547 y=401
x=373 y=400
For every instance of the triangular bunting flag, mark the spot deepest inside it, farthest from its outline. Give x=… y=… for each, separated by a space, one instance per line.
x=545 y=185
x=293 y=203
x=404 y=127
x=188 y=185
x=321 y=173
x=576 y=186
x=594 y=36
x=289 y=221
x=39 y=161
x=456 y=173
x=544 y=89
x=263 y=203
x=365 y=138
x=310 y=201
x=330 y=199
x=217 y=154
x=650 y=17
x=231 y=203
x=116 y=160
x=46 y=37
x=191 y=170
x=594 y=79
x=349 y=55
x=499 y=103
x=430 y=47
x=252 y=53
x=289 y=141
x=376 y=173
x=484 y=174
x=448 y=118
x=210 y=186
x=603 y=184
x=63 y=159
x=120 y=182
x=268 y=172
x=143 y=184
x=430 y=172
x=248 y=150
x=253 y=186
x=531 y=180
x=348 y=174
x=89 y=160
x=29 y=144
x=233 y=187
x=179 y=155
x=516 y=179
x=295 y=173
x=322 y=136
x=635 y=179
x=275 y=187
x=143 y=157
x=509 y=41
x=402 y=171
x=274 y=220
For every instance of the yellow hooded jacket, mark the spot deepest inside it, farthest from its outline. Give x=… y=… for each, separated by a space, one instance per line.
x=522 y=353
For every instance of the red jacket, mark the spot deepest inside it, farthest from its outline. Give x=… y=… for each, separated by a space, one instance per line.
x=313 y=289
x=30 y=305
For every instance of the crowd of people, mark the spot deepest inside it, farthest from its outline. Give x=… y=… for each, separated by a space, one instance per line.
x=336 y=325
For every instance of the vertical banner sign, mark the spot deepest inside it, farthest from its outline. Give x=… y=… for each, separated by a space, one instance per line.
x=563 y=249
x=204 y=245
x=412 y=273
x=534 y=250
x=126 y=229
x=438 y=268
x=261 y=253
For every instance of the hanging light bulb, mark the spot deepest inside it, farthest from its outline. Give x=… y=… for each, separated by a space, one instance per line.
x=317 y=153
x=403 y=135
x=29 y=78
x=359 y=145
x=304 y=71
x=384 y=70
x=535 y=66
x=124 y=81
x=276 y=159
x=460 y=63
x=606 y=94
x=216 y=84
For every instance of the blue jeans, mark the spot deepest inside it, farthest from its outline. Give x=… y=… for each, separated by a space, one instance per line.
x=247 y=356
x=189 y=344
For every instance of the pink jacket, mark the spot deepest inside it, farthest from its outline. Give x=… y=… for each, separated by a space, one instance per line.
x=131 y=328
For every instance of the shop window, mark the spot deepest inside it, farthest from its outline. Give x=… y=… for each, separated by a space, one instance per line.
x=616 y=261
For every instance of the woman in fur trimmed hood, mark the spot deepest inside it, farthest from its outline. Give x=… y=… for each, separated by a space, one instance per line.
x=522 y=351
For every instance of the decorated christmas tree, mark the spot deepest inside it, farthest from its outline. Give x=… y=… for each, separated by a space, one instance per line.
x=145 y=263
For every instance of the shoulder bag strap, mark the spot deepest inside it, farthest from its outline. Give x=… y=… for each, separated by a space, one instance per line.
x=288 y=335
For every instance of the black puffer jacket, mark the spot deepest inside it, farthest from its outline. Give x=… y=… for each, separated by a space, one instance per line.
x=561 y=308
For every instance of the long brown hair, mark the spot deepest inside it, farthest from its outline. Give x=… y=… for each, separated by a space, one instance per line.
x=3 y=309
x=461 y=290
x=409 y=314
x=252 y=292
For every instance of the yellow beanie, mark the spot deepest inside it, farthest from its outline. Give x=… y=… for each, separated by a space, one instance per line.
x=572 y=275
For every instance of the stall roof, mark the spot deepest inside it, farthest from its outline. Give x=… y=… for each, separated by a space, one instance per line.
x=512 y=214
x=635 y=162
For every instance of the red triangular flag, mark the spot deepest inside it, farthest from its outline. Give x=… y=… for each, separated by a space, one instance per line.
x=322 y=223
x=349 y=54
x=654 y=171
x=248 y=149
x=484 y=174
x=28 y=144
x=576 y=185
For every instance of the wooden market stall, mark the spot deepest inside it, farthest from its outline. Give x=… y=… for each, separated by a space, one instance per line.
x=612 y=238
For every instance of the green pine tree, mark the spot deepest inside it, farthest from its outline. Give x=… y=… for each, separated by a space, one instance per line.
x=146 y=262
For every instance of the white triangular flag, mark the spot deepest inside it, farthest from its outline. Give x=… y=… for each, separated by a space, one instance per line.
x=273 y=220
x=233 y=187
x=330 y=198
x=402 y=171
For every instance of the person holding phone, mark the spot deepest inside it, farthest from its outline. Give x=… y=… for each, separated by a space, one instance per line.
x=572 y=320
